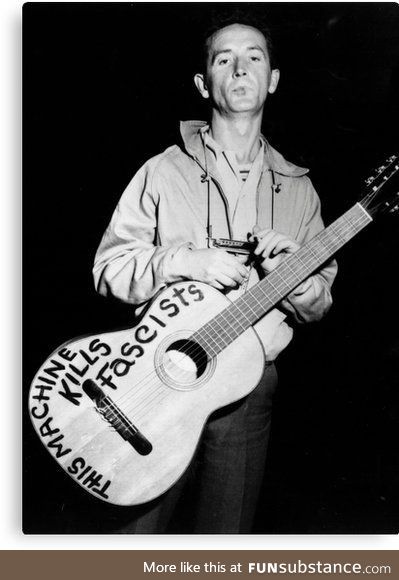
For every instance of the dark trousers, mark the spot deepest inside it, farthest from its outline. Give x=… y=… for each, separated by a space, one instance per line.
x=225 y=476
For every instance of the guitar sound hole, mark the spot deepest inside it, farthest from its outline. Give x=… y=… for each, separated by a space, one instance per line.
x=185 y=361
x=181 y=363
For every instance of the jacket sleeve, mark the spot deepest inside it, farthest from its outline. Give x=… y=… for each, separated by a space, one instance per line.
x=128 y=265
x=312 y=299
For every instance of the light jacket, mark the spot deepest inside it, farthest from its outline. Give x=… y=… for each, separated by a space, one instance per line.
x=163 y=213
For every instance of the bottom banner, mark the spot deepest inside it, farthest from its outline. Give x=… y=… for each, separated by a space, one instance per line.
x=204 y=564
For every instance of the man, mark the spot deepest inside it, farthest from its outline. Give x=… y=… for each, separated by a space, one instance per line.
x=223 y=181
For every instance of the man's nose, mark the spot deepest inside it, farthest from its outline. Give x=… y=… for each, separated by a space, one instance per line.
x=239 y=68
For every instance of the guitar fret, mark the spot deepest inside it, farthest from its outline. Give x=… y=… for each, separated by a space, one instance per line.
x=227 y=326
x=304 y=265
x=250 y=307
x=274 y=288
x=218 y=333
x=237 y=319
x=265 y=298
x=284 y=282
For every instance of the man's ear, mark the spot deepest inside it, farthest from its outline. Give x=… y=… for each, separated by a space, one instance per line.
x=274 y=78
x=200 y=83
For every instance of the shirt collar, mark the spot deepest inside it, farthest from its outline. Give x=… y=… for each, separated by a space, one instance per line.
x=191 y=133
x=217 y=150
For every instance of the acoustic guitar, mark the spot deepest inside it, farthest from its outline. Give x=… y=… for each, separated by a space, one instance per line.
x=122 y=412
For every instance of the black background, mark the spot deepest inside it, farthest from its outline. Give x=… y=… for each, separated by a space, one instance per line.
x=104 y=88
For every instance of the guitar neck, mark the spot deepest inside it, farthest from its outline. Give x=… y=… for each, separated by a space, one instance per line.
x=221 y=330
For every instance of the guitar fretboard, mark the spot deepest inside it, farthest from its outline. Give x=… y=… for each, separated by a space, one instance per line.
x=226 y=326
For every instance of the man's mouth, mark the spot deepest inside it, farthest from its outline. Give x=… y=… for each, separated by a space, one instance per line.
x=240 y=91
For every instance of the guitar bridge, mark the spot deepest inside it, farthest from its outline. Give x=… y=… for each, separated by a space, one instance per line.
x=116 y=418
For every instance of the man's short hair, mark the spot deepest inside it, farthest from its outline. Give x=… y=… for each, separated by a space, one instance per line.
x=222 y=18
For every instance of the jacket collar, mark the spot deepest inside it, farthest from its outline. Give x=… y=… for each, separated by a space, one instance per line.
x=191 y=135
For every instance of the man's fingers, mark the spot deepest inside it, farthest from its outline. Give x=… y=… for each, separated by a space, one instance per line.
x=267 y=244
x=242 y=270
x=216 y=285
x=242 y=259
x=258 y=232
x=273 y=244
x=285 y=245
x=226 y=280
x=238 y=275
x=236 y=265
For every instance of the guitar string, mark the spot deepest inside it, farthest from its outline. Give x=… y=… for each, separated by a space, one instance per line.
x=215 y=325
x=193 y=352
x=150 y=401
x=368 y=197
x=163 y=394
x=242 y=313
x=215 y=321
x=147 y=399
x=372 y=194
x=190 y=352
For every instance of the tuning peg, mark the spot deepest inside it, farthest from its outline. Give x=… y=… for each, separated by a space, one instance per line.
x=383 y=169
x=393 y=208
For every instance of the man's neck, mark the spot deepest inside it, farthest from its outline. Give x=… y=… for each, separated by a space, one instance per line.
x=238 y=134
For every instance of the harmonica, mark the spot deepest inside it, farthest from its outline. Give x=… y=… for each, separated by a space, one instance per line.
x=233 y=246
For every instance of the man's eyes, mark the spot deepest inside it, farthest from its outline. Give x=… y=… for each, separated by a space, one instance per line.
x=225 y=60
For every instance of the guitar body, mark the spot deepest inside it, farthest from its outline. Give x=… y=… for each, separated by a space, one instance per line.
x=122 y=412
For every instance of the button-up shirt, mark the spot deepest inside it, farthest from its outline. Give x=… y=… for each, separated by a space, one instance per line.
x=240 y=184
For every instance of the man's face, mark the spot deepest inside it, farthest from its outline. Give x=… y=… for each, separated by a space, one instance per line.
x=238 y=75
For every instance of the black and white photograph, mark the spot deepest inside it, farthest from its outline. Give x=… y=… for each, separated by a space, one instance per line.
x=210 y=268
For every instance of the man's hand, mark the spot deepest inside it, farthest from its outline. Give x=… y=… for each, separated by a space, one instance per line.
x=272 y=247
x=216 y=268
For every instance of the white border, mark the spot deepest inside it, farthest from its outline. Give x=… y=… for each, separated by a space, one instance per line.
x=10 y=423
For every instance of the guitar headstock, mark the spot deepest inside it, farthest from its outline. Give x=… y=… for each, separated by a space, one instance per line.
x=382 y=188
